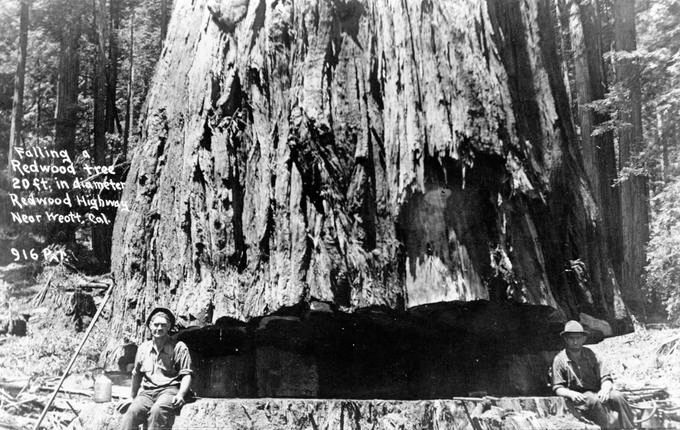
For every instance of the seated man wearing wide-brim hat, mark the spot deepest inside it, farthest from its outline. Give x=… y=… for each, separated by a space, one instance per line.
x=162 y=370
x=578 y=375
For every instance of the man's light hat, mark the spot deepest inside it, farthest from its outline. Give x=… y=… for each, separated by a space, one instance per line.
x=573 y=327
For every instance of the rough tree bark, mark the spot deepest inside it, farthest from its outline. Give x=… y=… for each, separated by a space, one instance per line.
x=635 y=188
x=413 y=156
x=101 y=233
x=112 y=120
x=99 y=81
x=66 y=112
x=18 y=98
x=663 y=142
x=130 y=85
x=164 y=21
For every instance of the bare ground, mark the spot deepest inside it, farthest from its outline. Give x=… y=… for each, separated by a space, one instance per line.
x=30 y=364
x=636 y=359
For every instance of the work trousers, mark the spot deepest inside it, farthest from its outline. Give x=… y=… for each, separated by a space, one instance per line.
x=601 y=413
x=151 y=408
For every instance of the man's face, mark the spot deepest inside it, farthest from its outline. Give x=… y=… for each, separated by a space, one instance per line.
x=159 y=326
x=574 y=341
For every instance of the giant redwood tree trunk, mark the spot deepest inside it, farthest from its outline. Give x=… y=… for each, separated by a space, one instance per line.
x=416 y=157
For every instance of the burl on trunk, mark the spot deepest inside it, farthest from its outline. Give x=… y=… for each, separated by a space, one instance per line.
x=413 y=160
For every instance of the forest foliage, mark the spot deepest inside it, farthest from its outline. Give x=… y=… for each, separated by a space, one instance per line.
x=47 y=19
x=658 y=60
x=659 y=57
x=134 y=27
x=132 y=42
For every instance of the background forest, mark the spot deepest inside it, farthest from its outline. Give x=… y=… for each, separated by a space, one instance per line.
x=82 y=70
x=74 y=75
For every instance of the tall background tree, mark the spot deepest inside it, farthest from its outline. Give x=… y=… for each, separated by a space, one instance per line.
x=634 y=188
x=659 y=57
x=66 y=111
x=112 y=113
x=16 y=104
x=19 y=78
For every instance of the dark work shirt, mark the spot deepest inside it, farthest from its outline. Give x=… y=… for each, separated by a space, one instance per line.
x=585 y=374
x=162 y=368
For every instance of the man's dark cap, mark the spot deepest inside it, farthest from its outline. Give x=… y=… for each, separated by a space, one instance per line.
x=165 y=311
x=573 y=327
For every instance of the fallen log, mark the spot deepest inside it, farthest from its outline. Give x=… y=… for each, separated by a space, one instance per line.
x=14 y=385
x=79 y=287
x=644 y=394
x=72 y=391
x=32 y=402
x=33 y=399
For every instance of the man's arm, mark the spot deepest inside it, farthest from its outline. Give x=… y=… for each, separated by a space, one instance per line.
x=136 y=383
x=184 y=385
x=184 y=364
x=572 y=395
x=606 y=381
x=137 y=372
x=124 y=404
x=560 y=381
x=178 y=401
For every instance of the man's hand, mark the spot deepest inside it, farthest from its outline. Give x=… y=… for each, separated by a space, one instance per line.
x=178 y=401
x=603 y=395
x=577 y=397
x=605 y=390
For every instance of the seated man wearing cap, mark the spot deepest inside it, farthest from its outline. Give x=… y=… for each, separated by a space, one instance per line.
x=163 y=370
x=580 y=376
